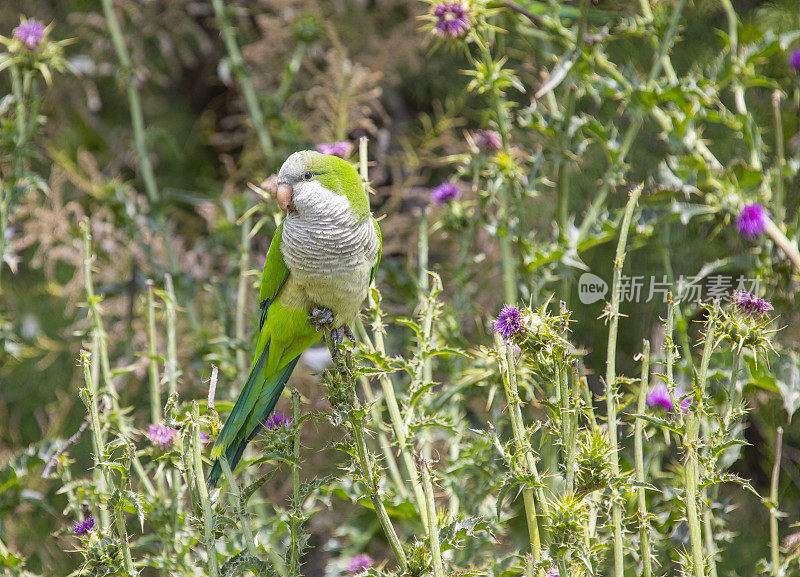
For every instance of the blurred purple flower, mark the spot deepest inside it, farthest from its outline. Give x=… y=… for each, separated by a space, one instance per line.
x=488 y=140
x=277 y=420
x=794 y=59
x=341 y=149
x=553 y=573
x=205 y=438
x=509 y=322
x=80 y=528
x=750 y=304
x=359 y=564
x=451 y=19
x=444 y=193
x=752 y=220
x=30 y=33
x=161 y=435
x=659 y=397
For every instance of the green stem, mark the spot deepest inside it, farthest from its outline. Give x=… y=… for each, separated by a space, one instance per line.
x=433 y=527
x=398 y=424
x=241 y=295
x=93 y=303
x=294 y=562
x=708 y=349
x=509 y=373
x=155 y=392
x=134 y=102
x=644 y=527
x=691 y=482
x=383 y=440
x=572 y=453
x=774 y=512
x=611 y=377
x=200 y=482
x=240 y=71
x=383 y=517
x=780 y=157
x=565 y=410
x=171 y=367
x=342 y=376
x=669 y=348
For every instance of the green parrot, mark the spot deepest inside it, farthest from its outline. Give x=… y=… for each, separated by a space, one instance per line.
x=319 y=266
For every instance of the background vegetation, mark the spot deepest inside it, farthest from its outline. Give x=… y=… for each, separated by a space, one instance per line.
x=134 y=139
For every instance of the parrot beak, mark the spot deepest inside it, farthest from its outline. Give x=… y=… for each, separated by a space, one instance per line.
x=284 y=197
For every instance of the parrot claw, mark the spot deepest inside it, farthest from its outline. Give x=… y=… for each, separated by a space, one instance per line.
x=338 y=335
x=320 y=317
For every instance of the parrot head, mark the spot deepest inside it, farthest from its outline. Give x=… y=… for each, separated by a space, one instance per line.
x=309 y=181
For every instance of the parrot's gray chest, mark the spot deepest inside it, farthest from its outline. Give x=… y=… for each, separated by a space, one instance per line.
x=330 y=256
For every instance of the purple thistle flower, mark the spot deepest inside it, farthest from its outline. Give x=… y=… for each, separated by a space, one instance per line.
x=452 y=19
x=80 y=528
x=750 y=304
x=444 y=193
x=30 y=33
x=341 y=149
x=488 y=140
x=794 y=59
x=277 y=420
x=359 y=564
x=752 y=220
x=205 y=438
x=659 y=397
x=509 y=322
x=161 y=435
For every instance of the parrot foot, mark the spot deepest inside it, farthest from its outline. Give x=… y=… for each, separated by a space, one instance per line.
x=320 y=318
x=338 y=335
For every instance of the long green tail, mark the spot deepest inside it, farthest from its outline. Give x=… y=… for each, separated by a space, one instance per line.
x=270 y=392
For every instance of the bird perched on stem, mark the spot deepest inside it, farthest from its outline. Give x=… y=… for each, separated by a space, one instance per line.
x=319 y=266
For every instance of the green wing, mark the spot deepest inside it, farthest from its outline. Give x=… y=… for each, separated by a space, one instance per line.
x=274 y=275
x=380 y=250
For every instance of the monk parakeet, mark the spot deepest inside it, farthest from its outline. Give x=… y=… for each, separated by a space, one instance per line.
x=318 y=270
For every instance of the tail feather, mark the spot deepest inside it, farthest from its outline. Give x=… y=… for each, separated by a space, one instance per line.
x=233 y=453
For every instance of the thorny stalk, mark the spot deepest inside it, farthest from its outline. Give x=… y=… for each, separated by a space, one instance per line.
x=241 y=295
x=708 y=347
x=368 y=471
x=611 y=377
x=644 y=518
x=398 y=424
x=202 y=489
x=774 y=511
x=433 y=527
x=93 y=302
x=691 y=478
x=294 y=562
x=509 y=372
x=155 y=390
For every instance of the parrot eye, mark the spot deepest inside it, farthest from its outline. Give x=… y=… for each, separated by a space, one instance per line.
x=308 y=175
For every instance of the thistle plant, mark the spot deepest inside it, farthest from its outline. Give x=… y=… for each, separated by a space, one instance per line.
x=502 y=411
